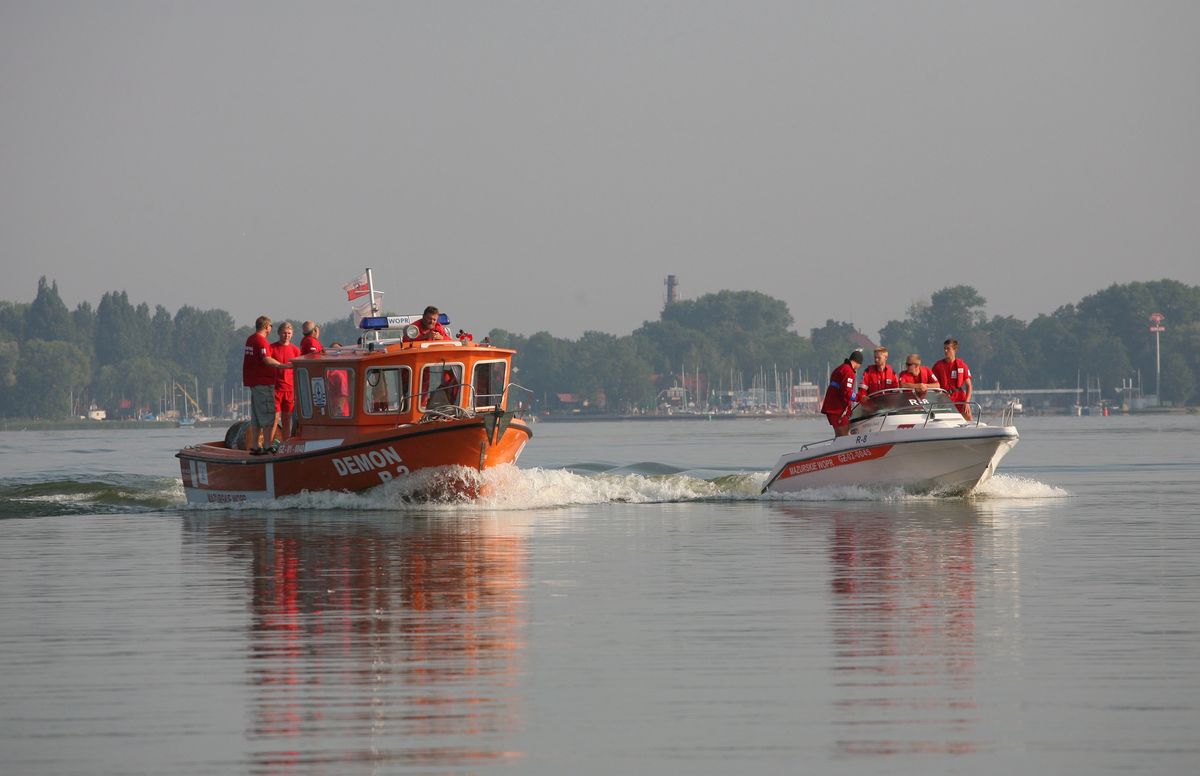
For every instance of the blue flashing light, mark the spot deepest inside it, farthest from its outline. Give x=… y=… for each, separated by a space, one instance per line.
x=373 y=323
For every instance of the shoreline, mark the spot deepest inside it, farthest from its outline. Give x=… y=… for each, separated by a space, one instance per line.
x=26 y=424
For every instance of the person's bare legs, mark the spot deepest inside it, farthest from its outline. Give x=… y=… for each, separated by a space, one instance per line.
x=254 y=436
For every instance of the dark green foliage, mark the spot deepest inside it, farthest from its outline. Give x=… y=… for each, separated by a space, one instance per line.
x=47 y=318
x=49 y=376
x=735 y=340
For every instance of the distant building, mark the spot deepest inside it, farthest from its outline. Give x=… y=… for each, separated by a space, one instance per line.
x=806 y=397
x=861 y=340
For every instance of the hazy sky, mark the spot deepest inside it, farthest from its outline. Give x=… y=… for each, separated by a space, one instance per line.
x=545 y=165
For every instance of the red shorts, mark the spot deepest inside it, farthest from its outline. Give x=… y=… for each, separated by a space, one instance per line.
x=285 y=400
x=837 y=420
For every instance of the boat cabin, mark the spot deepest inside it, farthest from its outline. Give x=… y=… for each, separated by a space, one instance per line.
x=385 y=382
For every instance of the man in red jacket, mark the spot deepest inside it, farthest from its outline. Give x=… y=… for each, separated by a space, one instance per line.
x=954 y=375
x=839 y=396
x=878 y=376
x=919 y=378
x=429 y=327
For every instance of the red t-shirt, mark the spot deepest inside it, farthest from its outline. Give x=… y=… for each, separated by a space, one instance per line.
x=876 y=379
x=310 y=344
x=255 y=371
x=951 y=376
x=284 y=355
x=840 y=393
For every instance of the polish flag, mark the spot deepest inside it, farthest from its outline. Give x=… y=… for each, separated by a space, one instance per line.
x=365 y=308
x=357 y=287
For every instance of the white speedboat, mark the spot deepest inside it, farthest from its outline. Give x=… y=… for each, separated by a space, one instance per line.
x=922 y=444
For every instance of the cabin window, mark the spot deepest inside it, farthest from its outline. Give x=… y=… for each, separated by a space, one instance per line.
x=339 y=387
x=441 y=384
x=303 y=393
x=488 y=384
x=386 y=390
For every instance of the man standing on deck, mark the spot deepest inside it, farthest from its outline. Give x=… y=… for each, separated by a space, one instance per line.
x=954 y=375
x=284 y=351
x=878 y=376
x=258 y=374
x=310 y=343
x=839 y=396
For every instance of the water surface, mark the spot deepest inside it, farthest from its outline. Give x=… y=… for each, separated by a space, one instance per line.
x=624 y=601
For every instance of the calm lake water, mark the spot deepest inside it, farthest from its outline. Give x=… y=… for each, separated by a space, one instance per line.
x=624 y=602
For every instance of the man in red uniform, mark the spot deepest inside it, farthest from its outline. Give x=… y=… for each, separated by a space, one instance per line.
x=878 y=376
x=428 y=327
x=919 y=378
x=310 y=343
x=839 y=396
x=258 y=374
x=954 y=375
x=284 y=351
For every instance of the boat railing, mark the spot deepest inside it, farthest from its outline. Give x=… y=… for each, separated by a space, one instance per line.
x=479 y=400
x=822 y=443
x=929 y=412
x=518 y=386
x=451 y=411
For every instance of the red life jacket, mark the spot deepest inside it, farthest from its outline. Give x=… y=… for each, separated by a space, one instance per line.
x=840 y=393
x=924 y=376
x=876 y=379
x=952 y=376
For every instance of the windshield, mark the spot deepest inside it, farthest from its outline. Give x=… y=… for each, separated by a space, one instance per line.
x=902 y=401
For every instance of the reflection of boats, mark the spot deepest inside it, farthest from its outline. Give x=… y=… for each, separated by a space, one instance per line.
x=903 y=581
x=370 y=413
x=898 y=439
x=395 y=644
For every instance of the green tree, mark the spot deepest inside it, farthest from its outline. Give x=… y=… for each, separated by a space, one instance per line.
x=49 y=374
x=48 y=318
x=1178 y=380
x=546 y=366
x=899 y=339
x=951 y=312
x=162 y=333
x=203 y=340
x=833 y=342
x=731 y=313
x=12 y=319
x=83 y=323
x=122 y=331
x=998 y=355
x=141 y=381
x=10 y=355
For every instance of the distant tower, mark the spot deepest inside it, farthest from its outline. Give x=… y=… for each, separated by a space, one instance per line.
x=672 y=289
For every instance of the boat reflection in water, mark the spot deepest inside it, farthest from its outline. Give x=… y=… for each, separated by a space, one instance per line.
x=377 y=640
x=903 y=628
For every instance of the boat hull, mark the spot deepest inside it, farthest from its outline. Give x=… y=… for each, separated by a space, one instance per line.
x=951 y=462
x=215 y=474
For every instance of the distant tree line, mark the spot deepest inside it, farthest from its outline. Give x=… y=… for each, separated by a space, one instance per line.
x=119 y=356
x=734 y=338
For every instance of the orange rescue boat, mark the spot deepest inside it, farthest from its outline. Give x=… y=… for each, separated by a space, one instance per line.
x=372 y=413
